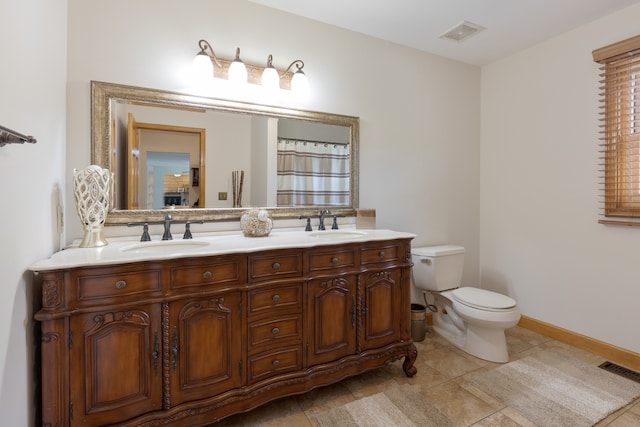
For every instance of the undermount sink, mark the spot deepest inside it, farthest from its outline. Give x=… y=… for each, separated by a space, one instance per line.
x=165 y=247
x=337 y=234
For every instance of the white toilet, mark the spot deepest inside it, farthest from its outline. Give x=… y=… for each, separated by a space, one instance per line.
x=470 y=318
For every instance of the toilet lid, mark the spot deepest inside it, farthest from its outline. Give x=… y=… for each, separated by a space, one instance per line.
x=482 y=299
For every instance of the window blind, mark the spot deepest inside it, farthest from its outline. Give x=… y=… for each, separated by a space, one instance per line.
x=620 y=130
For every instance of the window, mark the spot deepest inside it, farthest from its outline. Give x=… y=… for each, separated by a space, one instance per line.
x=620 y=129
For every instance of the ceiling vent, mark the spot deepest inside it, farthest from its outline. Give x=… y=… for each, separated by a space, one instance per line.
x=462 y=31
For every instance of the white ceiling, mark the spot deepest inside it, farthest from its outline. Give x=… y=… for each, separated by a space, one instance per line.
x=511 y=25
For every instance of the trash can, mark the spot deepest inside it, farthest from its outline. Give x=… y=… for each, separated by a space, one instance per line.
x=418 y=322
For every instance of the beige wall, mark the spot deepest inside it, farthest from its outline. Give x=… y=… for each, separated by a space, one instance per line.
x=540 y=240
x=32 y=101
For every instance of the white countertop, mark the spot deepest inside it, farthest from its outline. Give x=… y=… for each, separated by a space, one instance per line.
x=130 y=249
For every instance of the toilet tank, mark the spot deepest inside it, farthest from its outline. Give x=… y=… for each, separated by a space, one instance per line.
x=437 y=268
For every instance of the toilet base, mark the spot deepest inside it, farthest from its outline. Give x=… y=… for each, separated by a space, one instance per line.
x=485 y=343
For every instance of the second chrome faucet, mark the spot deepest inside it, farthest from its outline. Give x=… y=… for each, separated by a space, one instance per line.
x=167 y=227
x=321 y=216
x=323 y=212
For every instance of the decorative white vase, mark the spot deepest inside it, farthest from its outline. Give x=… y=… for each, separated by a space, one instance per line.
x=92 y=191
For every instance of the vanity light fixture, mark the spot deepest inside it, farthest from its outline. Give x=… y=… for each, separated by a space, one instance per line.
x=206 y=65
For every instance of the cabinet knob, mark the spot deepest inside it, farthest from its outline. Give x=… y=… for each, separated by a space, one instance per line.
x=275 y=331
x=121 y=284
x=334 y=260
x=276 y=298
x=207 y=275
x=381 y=254
x=276 y=363
x=276 y=265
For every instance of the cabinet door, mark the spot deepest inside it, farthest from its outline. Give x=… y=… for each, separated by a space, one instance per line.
x=115 y=368
x=205 y=338
x=381 y=310
x=331 y=320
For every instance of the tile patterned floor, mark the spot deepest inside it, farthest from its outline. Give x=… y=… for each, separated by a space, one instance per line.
x=442 y=370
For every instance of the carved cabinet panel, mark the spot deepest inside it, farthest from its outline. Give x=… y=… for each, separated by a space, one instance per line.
x=205 y=346
x=115 y=364
x=381 y=308
x=332 y=318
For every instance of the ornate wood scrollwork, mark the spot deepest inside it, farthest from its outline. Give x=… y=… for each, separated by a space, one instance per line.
x=339 y=283
x=136 y=316
x=51 y=296
x=50 y=336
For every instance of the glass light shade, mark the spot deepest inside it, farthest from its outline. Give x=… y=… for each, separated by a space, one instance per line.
x=202 y=68
x=237 y=72
x=270 y=78
x=299 y=83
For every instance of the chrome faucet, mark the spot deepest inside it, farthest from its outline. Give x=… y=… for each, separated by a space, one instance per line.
x=323 y=212
x=167 y=227
x=334 y=226
x=308 y=226
x=145 y=230
x=187 y=228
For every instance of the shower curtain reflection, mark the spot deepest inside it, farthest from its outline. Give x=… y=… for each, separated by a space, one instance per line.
x=312 y=173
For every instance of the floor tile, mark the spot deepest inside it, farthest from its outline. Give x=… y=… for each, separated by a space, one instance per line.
x=497 y=419
x=460 y=406
x=450 y=364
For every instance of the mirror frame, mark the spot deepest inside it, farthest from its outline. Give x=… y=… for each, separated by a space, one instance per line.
x=103 y=151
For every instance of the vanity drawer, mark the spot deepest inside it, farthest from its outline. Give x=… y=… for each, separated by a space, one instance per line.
x=285 y=264
x=383 y=253
x=335 y=258
x=268 y=299
x=265 y=365
x=273 y=330
x=97 y=285
x=204 y=272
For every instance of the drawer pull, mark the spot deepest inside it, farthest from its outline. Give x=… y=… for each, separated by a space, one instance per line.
x=276 y=265
x=120 y=284
x=207 y=275
x=275 y=331
x=381 y=254
x=156 y=353
x=276 y=363
x=276 y=298
x=334 y=260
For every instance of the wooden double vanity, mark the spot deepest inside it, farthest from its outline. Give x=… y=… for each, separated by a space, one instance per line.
x=186 y=333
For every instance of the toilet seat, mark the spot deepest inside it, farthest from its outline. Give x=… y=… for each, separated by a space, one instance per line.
x=482 y=299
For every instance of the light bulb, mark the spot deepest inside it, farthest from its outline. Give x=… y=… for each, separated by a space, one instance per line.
x=202 y=68
x=299 y=83
x=270 y=78
x=237 y=70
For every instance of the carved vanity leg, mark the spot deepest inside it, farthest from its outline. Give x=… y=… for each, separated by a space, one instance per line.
x=409 y=360
x=55 y=405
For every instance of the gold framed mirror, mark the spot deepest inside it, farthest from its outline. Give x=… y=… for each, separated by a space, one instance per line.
x=109 y=102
